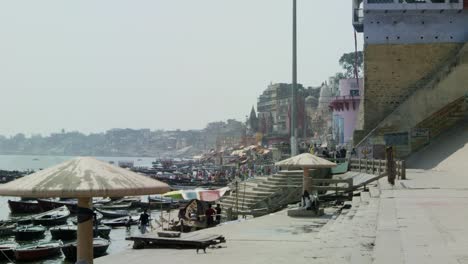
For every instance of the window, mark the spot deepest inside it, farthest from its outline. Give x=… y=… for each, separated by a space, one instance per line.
x=354 y=92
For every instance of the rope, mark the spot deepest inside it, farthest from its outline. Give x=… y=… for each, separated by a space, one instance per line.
x=6 y=256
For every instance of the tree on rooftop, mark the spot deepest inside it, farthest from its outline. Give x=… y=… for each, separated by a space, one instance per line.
x=348 y=62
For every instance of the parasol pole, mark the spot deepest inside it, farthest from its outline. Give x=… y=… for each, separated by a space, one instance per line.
x=243 y=199
x=162 y=217
x=306 y=180
x=85 y=232
x=237 y=199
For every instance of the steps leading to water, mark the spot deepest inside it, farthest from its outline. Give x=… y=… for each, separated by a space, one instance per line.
x=250 y=193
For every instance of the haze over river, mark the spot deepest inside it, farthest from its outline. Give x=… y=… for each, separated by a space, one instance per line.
x=27 y=162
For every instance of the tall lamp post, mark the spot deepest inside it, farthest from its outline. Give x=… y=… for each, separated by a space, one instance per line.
x=293 y=123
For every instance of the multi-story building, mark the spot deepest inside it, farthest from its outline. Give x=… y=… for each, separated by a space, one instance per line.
x=415 y=70
x=345 y=108
x=274 y=107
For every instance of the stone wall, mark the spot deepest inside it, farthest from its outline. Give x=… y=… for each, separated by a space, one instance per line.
x=427 y=98
x=393 y=72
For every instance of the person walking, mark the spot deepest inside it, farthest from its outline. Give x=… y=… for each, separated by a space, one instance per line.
x=144 y=221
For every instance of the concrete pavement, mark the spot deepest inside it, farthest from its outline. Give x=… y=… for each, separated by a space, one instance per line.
x=277 y=238
x=419 y=220
x=423 y=219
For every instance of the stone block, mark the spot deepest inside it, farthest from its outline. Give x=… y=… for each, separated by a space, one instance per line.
x=300 y=212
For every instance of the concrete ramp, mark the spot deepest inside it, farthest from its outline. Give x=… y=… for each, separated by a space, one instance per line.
x=447 y=153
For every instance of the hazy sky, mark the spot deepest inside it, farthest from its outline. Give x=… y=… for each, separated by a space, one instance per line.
x=95 y=65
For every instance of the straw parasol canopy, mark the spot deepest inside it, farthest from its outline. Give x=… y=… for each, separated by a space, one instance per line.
x=83 y=178
x=306 y=160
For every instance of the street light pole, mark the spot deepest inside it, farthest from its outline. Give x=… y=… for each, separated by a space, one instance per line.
x=293 y=122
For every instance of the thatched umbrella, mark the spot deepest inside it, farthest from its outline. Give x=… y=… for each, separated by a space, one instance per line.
x=83 y=178
x=306 y=161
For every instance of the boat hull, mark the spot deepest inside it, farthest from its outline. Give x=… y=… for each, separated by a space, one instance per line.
x=125 y=206
x=113 y=214
x=28 y=235
x=47 y=205
x=99 y=250
x=7 y=251
x=118 y=222
x=67 y=234
x=36 y=254
x=102 y=232
x=50 y=222
x=24 y=207
x=56 y=216
x=7 y=254
x=63 y=234
x=7 y=230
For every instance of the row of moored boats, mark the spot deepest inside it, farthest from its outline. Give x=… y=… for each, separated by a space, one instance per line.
x=32 y=219
x=10 y=251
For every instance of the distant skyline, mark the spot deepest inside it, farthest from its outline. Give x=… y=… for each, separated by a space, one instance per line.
x=90 y=66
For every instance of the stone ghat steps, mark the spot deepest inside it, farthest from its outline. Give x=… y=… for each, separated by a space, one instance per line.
x=350 y=237
x=242 y=207
x=241 y=199
x=249 y=194
x=260 y=188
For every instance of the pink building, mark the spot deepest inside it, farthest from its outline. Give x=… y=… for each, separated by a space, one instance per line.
x=345 y=109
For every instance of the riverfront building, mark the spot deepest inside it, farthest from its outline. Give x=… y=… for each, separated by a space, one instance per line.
x=415 y=68
x=273 y=108
x=345 y=108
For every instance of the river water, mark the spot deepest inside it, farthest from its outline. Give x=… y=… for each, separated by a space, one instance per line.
x=28 y=162
x=117 y=235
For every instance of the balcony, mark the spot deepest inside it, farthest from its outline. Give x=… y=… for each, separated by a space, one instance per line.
x=358 y=19
x=345 y=103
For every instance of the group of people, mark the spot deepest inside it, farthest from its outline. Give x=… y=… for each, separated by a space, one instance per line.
x=213 y=216
x=339 y=153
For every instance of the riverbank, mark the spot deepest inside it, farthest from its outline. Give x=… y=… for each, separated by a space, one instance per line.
x=419 y=220
x=275 y=238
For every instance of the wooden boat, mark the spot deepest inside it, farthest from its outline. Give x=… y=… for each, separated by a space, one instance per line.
x=130 y=199
x=122 y=221
x=38 y=251
x=24 y=207
x=69 y=232
x=6 y=229
x=113 y=213
x=56 y=216
x=100 y=247
x=101 y=200
x=99 y=217
x=24 y=233
x=160 y=199
x=102 y=231
x=114 y=206
x=64 y=232
x=50 y=204
x=7 y=250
